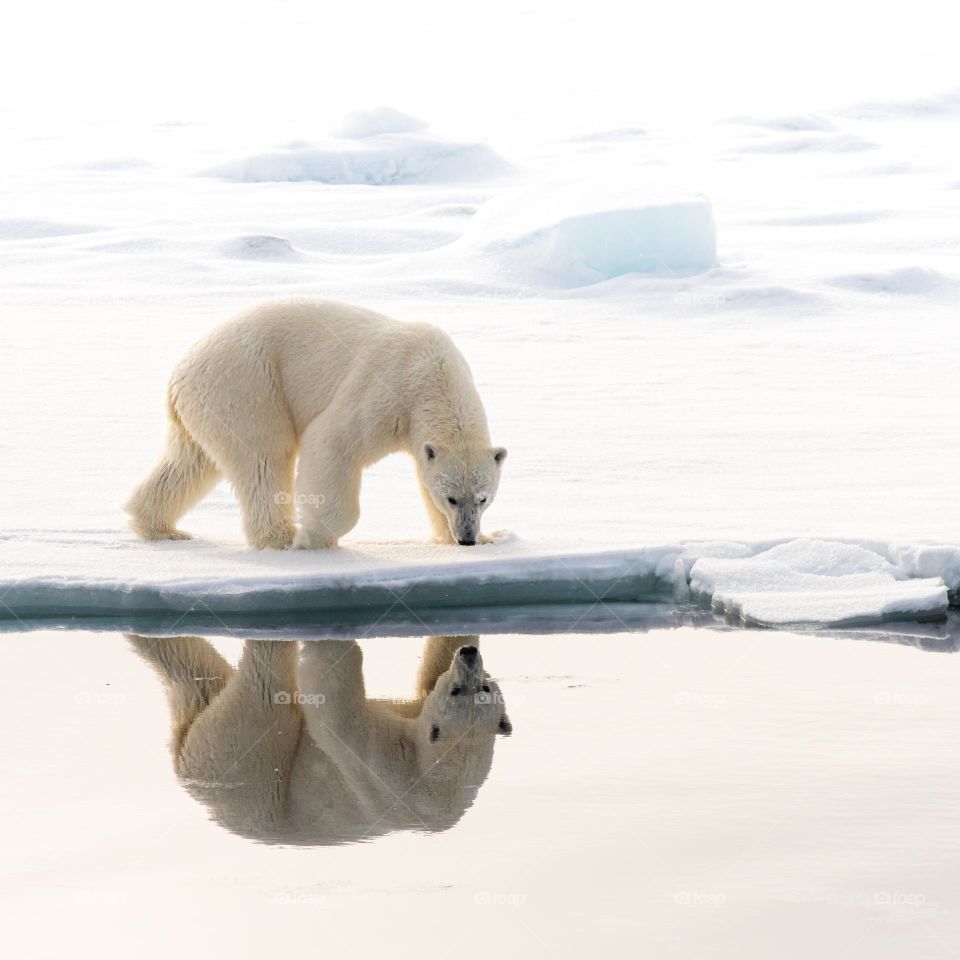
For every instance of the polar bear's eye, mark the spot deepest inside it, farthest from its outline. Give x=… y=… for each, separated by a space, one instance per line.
x=485 y=688
x=482 y=499
x=455 y=692
x=452 y=501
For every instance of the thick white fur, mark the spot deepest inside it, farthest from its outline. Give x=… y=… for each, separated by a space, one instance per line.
x=337 y=386
x=294 y=752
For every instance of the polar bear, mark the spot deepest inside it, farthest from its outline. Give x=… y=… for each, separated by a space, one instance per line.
x=339 y=387
x=287 y=748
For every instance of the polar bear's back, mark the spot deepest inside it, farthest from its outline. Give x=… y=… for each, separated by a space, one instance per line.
x=300 y=354
x=317 y=331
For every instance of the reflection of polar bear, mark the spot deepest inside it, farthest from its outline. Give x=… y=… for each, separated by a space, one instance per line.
x=293 y=752
x=339 y=386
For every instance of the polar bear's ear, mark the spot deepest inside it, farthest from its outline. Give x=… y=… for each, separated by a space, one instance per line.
x=499 y=454
x=430 y=451
x=505 y=726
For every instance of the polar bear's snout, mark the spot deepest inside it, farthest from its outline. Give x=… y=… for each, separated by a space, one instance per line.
x=468 y=526
x=468 y=666
x=469 y=656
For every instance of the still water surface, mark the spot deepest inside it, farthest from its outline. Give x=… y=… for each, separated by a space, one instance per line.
x=675 y=793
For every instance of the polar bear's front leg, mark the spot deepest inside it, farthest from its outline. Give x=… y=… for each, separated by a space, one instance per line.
x=263 y=491
x=330 y=682
x=327 y=486
x=438 y=653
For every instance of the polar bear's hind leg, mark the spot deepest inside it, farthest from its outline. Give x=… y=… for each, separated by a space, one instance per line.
x=182 y=477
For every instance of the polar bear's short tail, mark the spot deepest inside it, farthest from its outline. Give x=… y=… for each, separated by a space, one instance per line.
x=183 y=476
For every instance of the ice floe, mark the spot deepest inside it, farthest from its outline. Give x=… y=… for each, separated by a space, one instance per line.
x=801 y=581
x=580 y=233
x=813 y=582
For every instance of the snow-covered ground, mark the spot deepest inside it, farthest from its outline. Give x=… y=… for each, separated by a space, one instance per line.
x=696 y=315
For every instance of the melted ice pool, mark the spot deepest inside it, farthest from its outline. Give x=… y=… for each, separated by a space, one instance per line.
x=672 y=793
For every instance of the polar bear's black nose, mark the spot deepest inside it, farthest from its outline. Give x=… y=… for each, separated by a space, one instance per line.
x=467 y=543
x=468 y=655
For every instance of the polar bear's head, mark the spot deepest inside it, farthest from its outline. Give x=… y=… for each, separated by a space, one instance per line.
x=462 y=483
x=464 y=711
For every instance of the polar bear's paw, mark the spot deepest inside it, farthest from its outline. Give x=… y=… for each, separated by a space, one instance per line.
x=279 y=537
x=442 y=538
x=306 y=540
x=161 y=533
x=498 y=536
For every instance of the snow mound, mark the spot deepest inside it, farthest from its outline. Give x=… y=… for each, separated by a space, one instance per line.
x=765 y=297
x=377 y=160
x=942 y=106
x=895 y=169
x=905 y=280
x=832 y=218
x=110 y=164
x=929 y=560
x=610 y=136
x=816 y=581
x=260 y=247
x=572 y=235
x=371 y=123
x=42 y=229
x=795 y=123
x=450 y=210
x=811 y=143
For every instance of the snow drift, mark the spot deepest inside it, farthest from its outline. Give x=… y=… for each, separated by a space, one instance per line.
x=260 y=247
x=370 y=123
x=944 y=105
x=375 y=151
x=908 y=281
x=574 y=234
x=811 y=143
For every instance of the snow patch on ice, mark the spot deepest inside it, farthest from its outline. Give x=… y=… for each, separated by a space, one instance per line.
x=815 y=581
x=575 y=234
x=260 y=247
x=905 y=280
x=370 y=123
